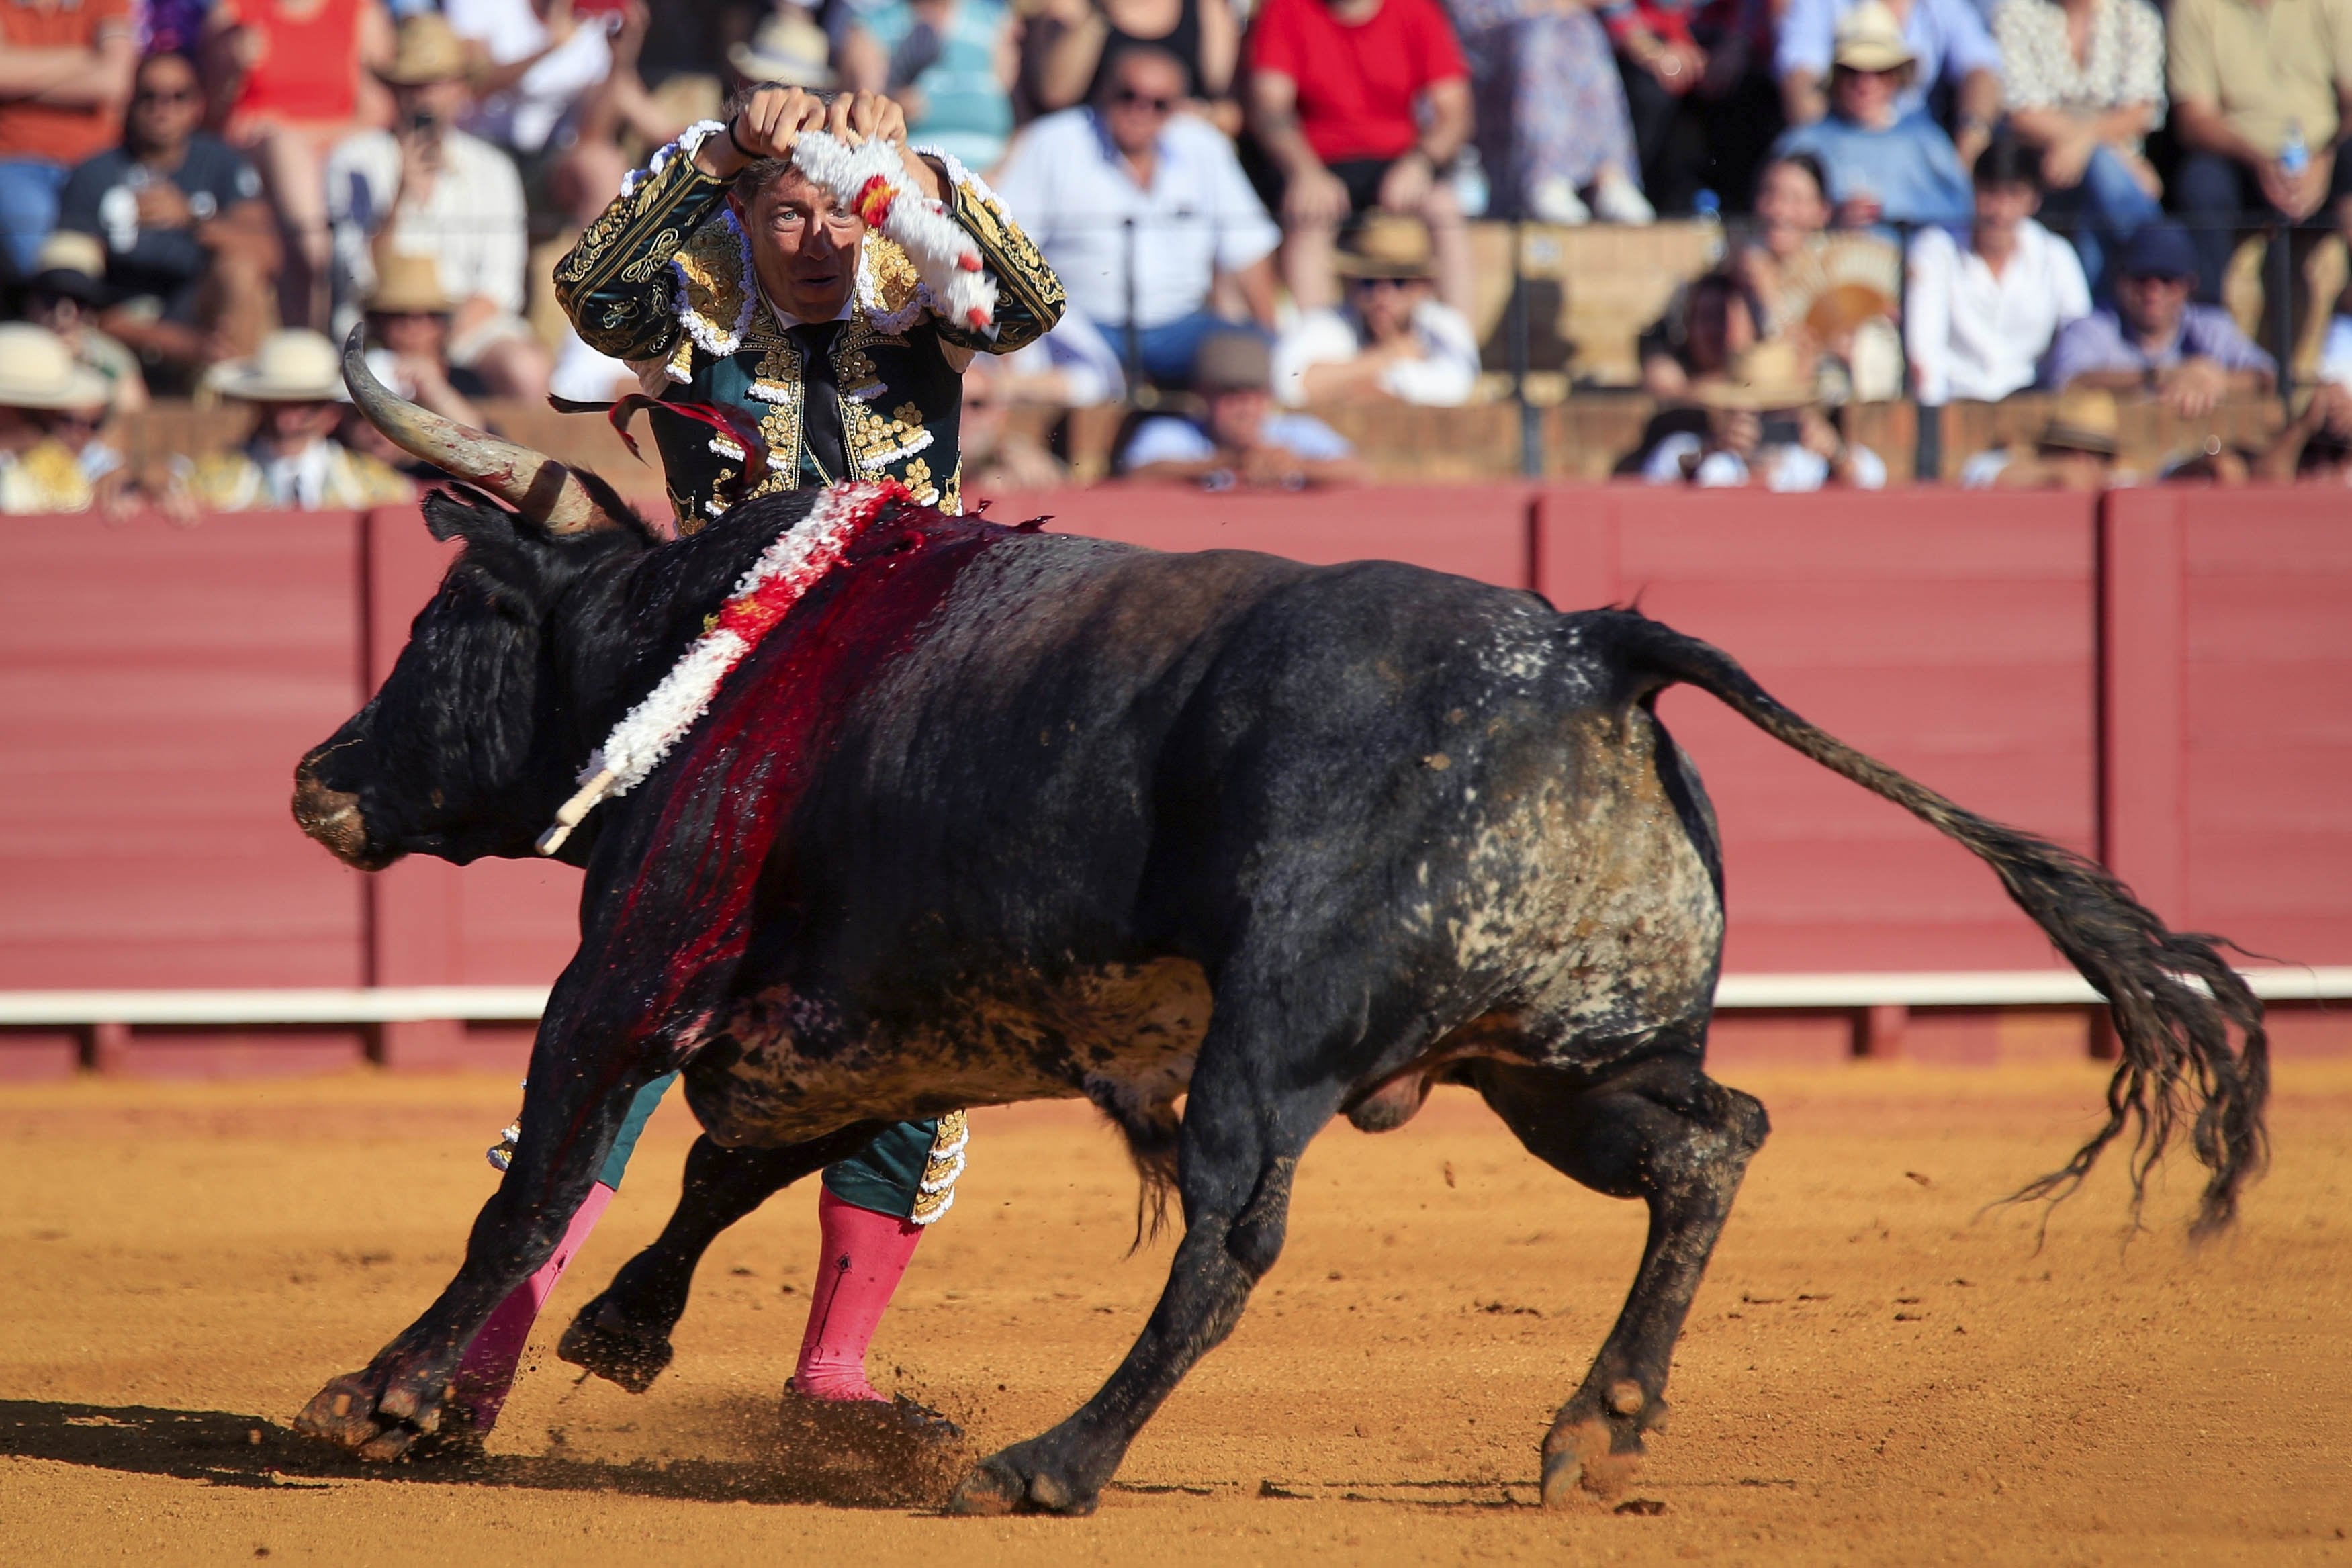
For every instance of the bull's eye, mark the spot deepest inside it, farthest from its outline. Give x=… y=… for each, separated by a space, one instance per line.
x=436 y=800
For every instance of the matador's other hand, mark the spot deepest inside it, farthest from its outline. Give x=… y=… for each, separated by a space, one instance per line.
x=768 y=125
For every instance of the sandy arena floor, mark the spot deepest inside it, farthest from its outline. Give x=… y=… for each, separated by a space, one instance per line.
x=1873 y=1373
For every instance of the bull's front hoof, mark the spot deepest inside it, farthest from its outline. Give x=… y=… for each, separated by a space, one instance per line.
x=1009 y=1483
x=613 y=1348
x=1598 y=1455
x=359 y=1414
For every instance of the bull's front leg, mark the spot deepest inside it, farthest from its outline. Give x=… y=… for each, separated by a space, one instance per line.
x=1244 y=1128
x=578 y=1095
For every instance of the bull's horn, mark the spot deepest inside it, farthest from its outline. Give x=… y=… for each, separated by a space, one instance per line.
x=532 y=483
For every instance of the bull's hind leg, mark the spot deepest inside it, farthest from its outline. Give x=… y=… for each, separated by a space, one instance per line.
x=1247 y=1120
x=624 y=1334
x=1666 y=1132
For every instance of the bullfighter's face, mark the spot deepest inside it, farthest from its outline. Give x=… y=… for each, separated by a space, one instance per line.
x=803 y=245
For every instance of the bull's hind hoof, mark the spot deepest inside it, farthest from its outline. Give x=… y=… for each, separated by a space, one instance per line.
x=613 y=1348
x=356 y=1415
x=998 y=1485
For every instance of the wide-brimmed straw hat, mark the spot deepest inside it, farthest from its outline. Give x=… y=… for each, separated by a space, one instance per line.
x=38 y=371
x=1768 y=376
x=789 y=49
x=405 y=282
x=1233 y=360
x=1869 y=39
x=72 y=264
x=2085 y=420
x=426 y=49
x=295 y=365
x=1385 y=245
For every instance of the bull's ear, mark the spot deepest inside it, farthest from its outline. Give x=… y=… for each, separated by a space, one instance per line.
x=446 y=518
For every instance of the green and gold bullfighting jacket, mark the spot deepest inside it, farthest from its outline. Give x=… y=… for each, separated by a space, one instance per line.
x=663 y=280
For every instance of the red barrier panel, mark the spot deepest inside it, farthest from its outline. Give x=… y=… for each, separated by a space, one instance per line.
x=157 y=685
x=1476 y=531
x=1949 y=639
x=2229 y=740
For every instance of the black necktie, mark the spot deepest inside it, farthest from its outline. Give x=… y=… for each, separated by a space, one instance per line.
x=821 y=400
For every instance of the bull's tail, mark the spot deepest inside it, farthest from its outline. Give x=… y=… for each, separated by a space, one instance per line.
x=2174 y=999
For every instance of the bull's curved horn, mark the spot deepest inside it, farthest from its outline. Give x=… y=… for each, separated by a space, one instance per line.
x=532 y=483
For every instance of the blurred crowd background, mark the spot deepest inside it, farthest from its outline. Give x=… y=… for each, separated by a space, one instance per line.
x=1785 y=242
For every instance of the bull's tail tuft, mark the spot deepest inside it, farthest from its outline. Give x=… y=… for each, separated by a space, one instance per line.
x=2175 y=1001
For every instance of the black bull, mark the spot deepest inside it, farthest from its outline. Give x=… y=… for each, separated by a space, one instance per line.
x=1293 y=842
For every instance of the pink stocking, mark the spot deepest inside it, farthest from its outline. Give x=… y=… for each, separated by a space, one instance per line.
x=487 y=1372
x=862 y=1256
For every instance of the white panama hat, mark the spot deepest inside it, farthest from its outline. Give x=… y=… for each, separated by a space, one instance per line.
x=295 y=365
x=38 y=371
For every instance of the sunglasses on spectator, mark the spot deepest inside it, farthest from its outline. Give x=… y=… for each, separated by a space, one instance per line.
x=1369 y=284
x=1128 y=98
x=179 y=95
x=2169 y=278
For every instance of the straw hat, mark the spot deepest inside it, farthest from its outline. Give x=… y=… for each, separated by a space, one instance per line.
x=407 y=283
x=426 y=49
x=295 y=365
x=2085 y=421
x=1869 y=39
x=789 y=48
x=1385 y=245
x=72 y=264
x=1768 y=376
x=1233 y=360
x=38 y=371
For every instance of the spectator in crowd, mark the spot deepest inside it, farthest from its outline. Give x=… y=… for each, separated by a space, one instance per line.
x=2258 y=88
x=292 y=461
x=1144 y=212
x=1698 y=81
x=1764 y=425
x=1978 y=318
x=1946 y=40
x=1551 y=118
x=1885 y=163
x=1360 y=104
x=408 y=337
x=2084 y=83
x=950 y=63
x=998 y=457
x=1076 y=40
x=1392 y=339
x=64 y=295
x=1239 y=438
x=2075 y=451
x=2314 y=447
x=1073 y=366
x=190 y=249
x=40 y=384
x=1711 y=323
x=65 y=74
x=1831 y=291
x=2153 y=339
x=430 y=189
x=287 y=81
x=537 y=63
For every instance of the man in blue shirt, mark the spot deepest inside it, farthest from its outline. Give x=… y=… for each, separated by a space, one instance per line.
x=1948 y=38
x=1883 y=164
x=2153 y=339
x=1240 y=438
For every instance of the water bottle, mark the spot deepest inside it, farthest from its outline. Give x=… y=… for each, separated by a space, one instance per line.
x=2294 y=157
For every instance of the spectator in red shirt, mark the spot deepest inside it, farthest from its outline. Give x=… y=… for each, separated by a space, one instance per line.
x=65 y=74
x=1360 y=104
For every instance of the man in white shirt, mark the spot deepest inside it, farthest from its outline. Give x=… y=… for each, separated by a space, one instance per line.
x=1393 y=338
x=1142 y=210
x=542 y=62
x=1977 y=321
x=427 y=188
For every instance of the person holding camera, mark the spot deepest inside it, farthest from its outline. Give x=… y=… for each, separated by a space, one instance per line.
x=427 y=188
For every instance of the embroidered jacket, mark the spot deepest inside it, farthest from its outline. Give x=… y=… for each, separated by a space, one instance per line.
x=663 y=280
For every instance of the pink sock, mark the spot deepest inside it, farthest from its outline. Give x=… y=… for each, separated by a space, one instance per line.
x=488 y=1374
x=862 y=1258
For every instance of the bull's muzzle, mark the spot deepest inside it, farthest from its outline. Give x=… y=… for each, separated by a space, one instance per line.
x=332 y=817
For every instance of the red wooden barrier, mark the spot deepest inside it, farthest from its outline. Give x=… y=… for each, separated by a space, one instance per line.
x=157 y=683
x=1948 y=643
